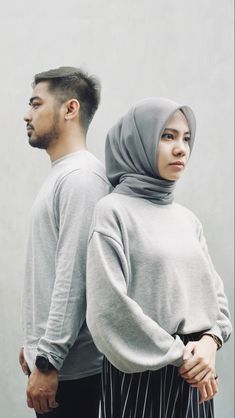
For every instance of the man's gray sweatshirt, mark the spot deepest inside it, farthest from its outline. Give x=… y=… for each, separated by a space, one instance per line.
x=54 y=301
x=150 y=278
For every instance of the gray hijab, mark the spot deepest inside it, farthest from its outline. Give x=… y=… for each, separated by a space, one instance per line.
x=131 y=149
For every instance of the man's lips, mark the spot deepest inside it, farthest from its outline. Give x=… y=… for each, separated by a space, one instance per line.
x=29 y=130
x=29 y=127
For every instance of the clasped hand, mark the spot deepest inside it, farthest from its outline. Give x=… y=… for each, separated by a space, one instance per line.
x=198 y=368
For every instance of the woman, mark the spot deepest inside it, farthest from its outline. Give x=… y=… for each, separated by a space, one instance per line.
x=156 y=306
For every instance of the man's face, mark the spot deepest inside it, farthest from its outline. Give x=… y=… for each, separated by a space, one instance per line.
x=43 y=117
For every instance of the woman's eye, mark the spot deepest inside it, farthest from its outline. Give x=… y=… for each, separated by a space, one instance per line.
x=167 y=136
x=187 y=138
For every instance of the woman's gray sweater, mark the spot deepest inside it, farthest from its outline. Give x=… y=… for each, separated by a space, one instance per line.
x=149 y=278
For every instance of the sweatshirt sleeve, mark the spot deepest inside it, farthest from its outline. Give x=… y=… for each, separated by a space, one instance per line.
x=131 y=340
x=222 y=327
x=74 y=200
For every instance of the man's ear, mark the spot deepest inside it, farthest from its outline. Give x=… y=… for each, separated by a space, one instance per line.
x=71 y=109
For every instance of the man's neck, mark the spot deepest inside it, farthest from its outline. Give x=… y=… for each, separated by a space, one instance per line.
x=65 y=146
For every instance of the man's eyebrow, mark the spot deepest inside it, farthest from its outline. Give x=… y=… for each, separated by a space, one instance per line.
x=34 y=98
x=175 y=130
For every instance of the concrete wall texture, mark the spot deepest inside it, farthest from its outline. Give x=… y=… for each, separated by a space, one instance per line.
x=181 y=50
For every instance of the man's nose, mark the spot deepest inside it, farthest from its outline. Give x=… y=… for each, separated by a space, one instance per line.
x=27 y=116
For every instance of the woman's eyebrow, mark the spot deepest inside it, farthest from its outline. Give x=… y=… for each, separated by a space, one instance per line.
x=176 y=131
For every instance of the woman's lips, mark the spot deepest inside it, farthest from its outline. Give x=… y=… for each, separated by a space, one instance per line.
x=177 y=165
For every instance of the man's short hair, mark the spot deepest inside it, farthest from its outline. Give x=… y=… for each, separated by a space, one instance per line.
x=74 y=83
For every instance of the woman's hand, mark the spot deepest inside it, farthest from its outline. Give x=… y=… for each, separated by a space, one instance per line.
x=208 y=391
x=199 y=357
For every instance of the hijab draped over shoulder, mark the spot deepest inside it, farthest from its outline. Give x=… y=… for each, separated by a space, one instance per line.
x=131 y=149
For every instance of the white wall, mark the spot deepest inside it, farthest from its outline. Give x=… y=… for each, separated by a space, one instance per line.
x=182 y=50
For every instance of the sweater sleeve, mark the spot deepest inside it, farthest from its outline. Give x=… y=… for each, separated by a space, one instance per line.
x=131 y=340
x=74 y=200
x=222 y=327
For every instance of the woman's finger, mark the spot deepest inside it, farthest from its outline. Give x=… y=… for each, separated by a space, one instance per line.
x=187 y=353
x=200 y=379
x=203 y=394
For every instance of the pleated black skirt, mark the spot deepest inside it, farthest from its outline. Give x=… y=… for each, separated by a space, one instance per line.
x=151 y=394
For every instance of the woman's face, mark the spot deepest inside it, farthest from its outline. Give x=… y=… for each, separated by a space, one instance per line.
x=173 y=148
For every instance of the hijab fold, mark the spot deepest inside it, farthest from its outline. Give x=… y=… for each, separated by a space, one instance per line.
x=131 y=149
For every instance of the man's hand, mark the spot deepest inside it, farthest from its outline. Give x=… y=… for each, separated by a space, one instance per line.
x=41 y=390
x=23 y=362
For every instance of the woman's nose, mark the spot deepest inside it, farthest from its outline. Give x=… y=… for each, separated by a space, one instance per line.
x=180 y=147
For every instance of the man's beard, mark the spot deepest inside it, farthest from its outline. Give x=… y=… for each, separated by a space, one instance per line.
x=45 y=140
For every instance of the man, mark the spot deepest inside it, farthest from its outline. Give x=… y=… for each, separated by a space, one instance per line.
x=59 y=356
